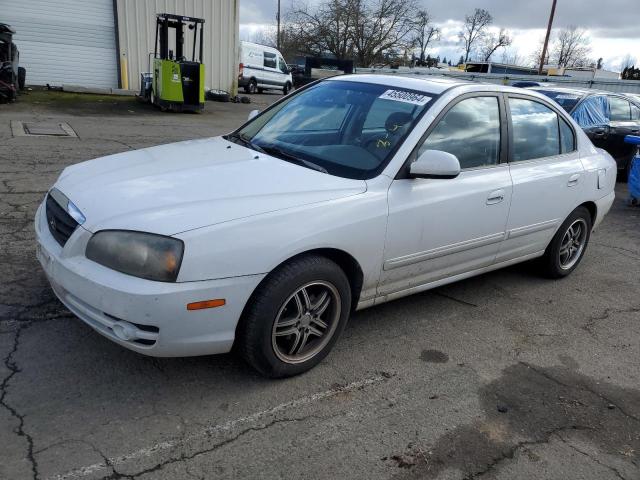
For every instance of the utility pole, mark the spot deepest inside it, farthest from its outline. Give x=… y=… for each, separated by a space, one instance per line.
x=546 y=38
x=278 y=32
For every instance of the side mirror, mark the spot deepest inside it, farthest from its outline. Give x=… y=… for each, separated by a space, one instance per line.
x=435 y=164
x=253 y=114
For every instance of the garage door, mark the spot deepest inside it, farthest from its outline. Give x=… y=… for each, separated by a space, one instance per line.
x=64 y=41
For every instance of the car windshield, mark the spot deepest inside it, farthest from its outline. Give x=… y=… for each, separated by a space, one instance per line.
x=344 y=128
x=566 y=100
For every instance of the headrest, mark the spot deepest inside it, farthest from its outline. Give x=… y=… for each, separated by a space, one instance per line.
x=397 y=120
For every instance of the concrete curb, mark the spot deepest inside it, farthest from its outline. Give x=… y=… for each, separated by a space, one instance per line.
x=99 y=91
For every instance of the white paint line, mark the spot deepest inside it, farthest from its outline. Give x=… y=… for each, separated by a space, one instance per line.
x=216 y=429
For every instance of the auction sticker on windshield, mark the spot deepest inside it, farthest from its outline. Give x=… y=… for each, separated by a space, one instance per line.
x=407 y=97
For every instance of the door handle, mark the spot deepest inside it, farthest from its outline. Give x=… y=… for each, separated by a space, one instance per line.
x=599 y=133
x=573 y=180
x=495 y=197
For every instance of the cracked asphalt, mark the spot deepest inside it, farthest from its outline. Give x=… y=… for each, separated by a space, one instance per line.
x=502 y=376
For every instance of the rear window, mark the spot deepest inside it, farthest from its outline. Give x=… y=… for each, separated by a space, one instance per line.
x=564 y=99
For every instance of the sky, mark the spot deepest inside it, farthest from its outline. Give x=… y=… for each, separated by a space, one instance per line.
x=613 y=25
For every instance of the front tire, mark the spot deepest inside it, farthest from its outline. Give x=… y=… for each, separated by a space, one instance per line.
x=567 y=248
x=295 y=317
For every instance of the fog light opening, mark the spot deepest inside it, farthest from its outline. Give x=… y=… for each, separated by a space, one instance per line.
x=124 y=331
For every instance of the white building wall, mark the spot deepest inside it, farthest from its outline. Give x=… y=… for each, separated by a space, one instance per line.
x=137 y=27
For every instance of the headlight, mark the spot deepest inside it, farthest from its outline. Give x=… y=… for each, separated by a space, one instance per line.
x=144 y=255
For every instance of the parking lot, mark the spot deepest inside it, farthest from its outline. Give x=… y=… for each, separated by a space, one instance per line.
x=506 y=375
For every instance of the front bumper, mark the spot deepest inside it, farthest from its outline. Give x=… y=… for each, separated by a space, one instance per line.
x=152 y=315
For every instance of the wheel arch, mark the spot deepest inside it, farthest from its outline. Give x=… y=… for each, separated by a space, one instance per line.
x=349 y=265
x=593 y=210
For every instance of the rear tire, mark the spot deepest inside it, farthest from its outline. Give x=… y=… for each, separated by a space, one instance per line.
x=252 y=87
x=567 y=248
x=286 y=88
x=295 y=317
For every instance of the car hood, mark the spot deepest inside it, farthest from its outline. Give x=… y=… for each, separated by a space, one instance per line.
x=182 y=186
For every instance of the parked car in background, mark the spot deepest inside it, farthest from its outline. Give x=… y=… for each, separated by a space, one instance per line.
x=263 y=68
x=526 y=84
x=309 y=69
x=605 y=117
x=348 y=193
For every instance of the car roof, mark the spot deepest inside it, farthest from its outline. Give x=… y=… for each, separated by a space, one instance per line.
x=431 y=84
x=259 y=46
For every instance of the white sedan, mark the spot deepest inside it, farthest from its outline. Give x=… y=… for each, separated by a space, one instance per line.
x=351 y=192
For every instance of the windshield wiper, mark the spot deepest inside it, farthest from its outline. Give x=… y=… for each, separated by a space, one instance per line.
x=278 y=152
x=238 y=137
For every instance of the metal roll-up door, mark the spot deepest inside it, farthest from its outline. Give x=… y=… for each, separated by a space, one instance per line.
x=70 y=42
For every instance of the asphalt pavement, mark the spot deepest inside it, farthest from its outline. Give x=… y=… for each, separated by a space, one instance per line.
x=503 y=376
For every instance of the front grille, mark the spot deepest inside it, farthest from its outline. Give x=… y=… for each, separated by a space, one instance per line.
x=61 y=224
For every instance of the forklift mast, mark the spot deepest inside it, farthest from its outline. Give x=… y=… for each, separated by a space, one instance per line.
x=164 y=22
x=177 y=81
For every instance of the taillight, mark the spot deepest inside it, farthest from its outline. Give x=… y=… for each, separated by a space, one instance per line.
x=241 y=70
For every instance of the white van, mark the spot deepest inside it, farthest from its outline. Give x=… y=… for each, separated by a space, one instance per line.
x=263 y=68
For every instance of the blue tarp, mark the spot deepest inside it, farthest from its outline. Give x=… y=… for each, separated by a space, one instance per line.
x=634 y=178
x=594 y=111
x=634 y=171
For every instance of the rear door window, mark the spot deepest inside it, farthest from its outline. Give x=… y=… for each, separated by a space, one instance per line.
x=620 y=109
x=592 y=112
x=535 y=130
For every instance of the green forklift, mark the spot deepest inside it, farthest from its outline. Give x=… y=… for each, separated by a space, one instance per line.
x=176 y=83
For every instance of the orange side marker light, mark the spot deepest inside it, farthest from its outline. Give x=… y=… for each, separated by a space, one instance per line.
x=218 y=302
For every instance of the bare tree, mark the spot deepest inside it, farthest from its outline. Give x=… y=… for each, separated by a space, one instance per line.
x=380 y=25
x=627 y=61
x=534 y=57
x=265 y=36
x=368 y=30
x=571 y=48
x=512 y=57
x=492 y=42
x=425 y=32
x=474 y=29
x=326 y=28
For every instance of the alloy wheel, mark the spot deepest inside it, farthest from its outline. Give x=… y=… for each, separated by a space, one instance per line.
x=573 y=243
x=306 y=322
